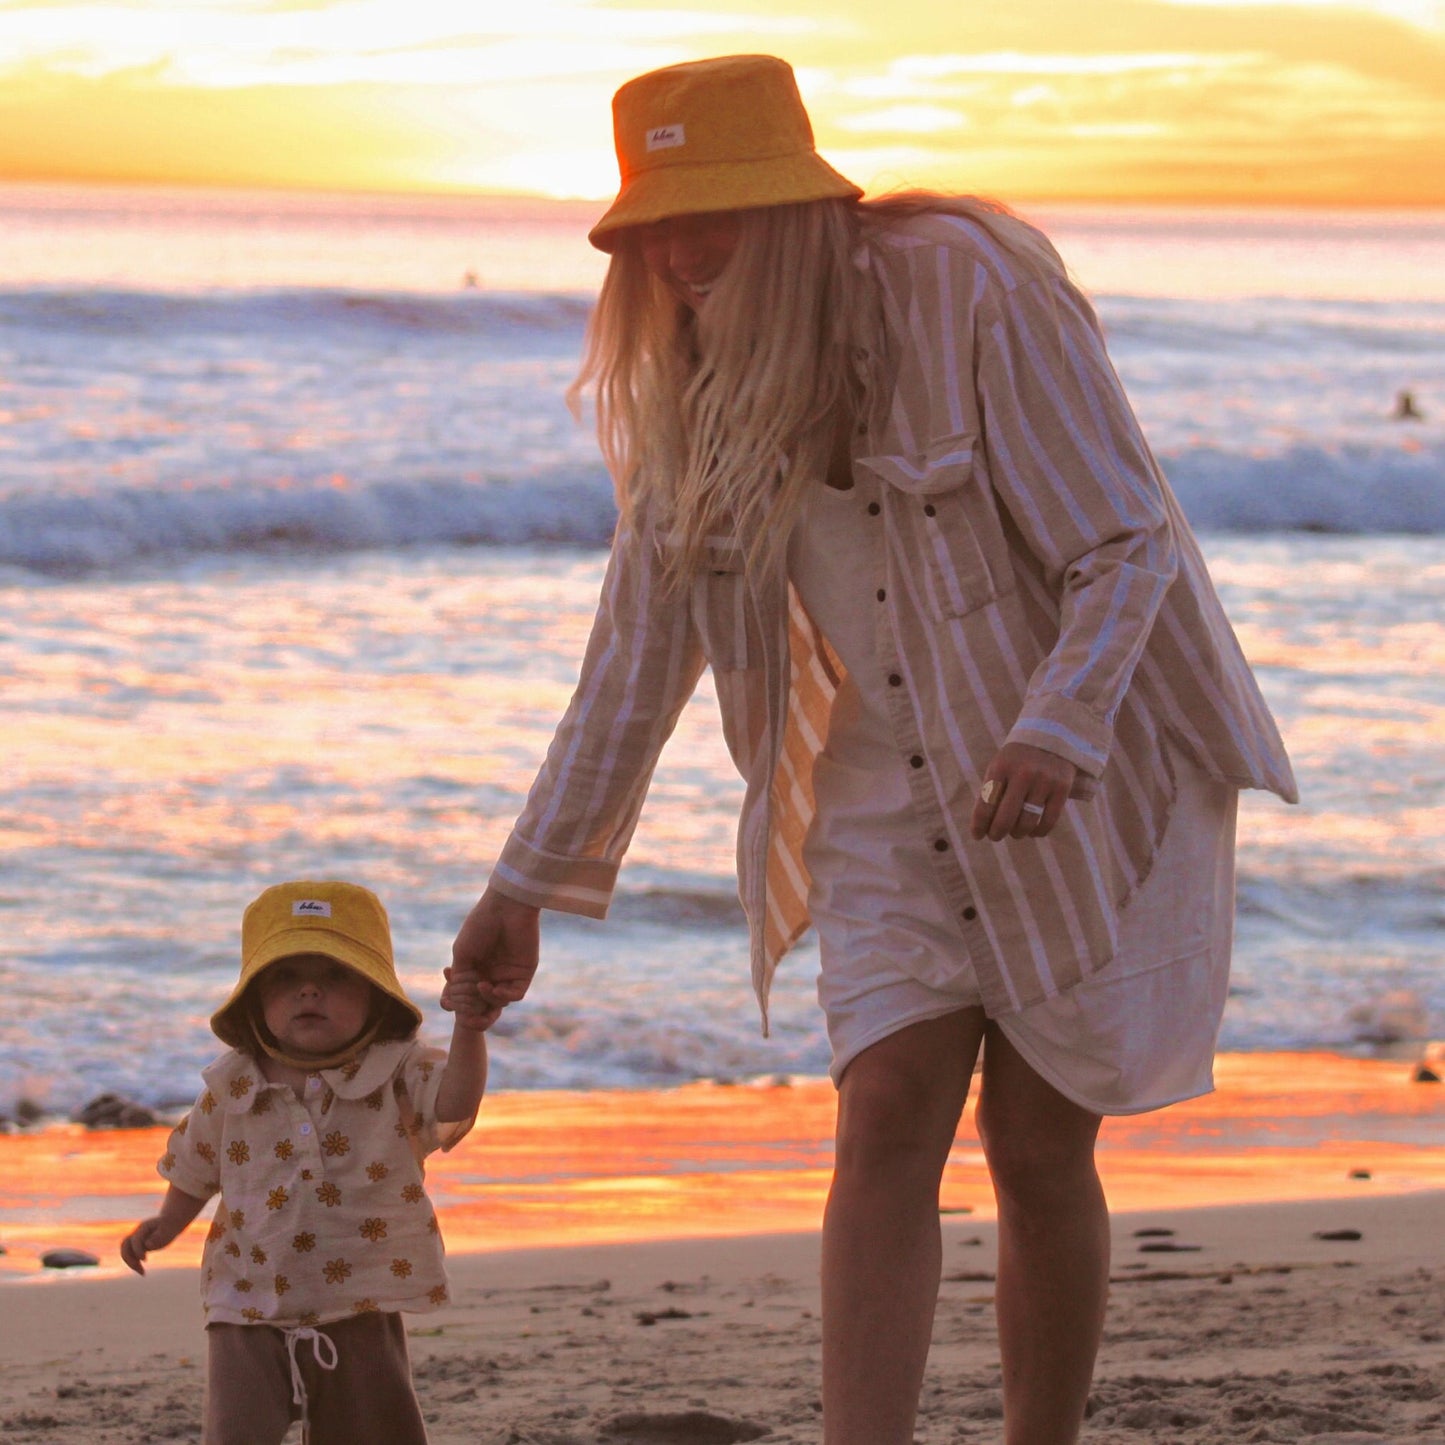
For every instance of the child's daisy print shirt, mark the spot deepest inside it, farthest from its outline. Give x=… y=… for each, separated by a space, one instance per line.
x=323 y=1210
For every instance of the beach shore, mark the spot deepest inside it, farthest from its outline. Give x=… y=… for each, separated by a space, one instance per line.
x=1259 y=1330
x=643 y=1267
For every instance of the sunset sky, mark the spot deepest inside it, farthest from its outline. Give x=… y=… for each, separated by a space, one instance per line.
x=1332 y=101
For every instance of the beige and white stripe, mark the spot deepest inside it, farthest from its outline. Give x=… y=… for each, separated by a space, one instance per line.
x=1041 y=584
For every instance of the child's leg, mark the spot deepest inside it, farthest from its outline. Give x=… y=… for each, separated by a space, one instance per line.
x=248 y=1385
x=368 y=1398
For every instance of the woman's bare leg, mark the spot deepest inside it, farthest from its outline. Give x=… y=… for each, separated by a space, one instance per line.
x=898 y=1108
x=1053 y=1246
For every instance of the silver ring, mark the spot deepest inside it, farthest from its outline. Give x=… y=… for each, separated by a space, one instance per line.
x=1035 y=808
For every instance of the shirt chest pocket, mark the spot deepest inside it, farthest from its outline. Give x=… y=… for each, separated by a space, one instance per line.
x=721 y=607
x=945 y=512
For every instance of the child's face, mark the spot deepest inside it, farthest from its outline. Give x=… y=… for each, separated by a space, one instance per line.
x=312 y=1004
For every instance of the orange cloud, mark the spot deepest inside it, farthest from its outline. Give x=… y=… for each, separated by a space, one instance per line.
x=1229 y=100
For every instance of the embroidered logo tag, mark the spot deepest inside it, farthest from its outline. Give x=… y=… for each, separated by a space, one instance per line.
x=314 y=906
x=664 y=137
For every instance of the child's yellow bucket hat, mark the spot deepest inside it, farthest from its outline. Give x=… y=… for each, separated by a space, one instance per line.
x=713 y=135
x=337 y=920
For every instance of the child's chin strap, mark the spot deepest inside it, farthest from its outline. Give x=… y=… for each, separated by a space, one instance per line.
x=313 y=1065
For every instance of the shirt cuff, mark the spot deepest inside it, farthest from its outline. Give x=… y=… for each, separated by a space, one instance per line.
x=547 y=880
x=187 y=1183
x=1059 y=725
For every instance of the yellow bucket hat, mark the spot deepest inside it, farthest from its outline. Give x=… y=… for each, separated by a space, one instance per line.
x=337 y=920
x=713 y=135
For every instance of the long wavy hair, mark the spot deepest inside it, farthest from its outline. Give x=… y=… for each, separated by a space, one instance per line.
x=716 y=422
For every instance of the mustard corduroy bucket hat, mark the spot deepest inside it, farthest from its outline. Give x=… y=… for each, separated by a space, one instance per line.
x=338 y=920
x=713 y=135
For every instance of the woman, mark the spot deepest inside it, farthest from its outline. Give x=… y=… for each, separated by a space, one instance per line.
x=875 y=469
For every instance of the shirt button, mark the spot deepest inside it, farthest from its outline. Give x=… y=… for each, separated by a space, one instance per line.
x=970 y=913
x=313 y=1083
x=306 y=1128
x=882 y=594
x=894 y=680
x=930 y=510
x=940 y=845
x=916 y=760
x=874 y=509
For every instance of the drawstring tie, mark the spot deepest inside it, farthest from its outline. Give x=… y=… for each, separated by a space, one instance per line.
x=298 y=1385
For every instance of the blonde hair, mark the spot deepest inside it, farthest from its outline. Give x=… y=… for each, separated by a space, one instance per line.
x=717 y=422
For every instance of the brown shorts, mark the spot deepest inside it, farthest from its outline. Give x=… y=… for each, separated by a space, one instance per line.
x=367 y=1399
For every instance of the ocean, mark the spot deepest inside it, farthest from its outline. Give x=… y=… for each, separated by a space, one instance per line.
x=298 y=550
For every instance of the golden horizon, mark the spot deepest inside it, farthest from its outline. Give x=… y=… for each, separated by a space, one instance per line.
x=1337 y=103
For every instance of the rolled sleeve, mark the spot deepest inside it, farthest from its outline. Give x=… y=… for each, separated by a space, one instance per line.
x=192 y=1158
x=642 y=662
x=421 y=1076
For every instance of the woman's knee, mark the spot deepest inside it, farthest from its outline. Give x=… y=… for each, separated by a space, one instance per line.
x=1039 y=1145
x=899 y=1102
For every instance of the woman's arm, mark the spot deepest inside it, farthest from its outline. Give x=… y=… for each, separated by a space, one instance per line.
x=642 y=662
x=1070 y=465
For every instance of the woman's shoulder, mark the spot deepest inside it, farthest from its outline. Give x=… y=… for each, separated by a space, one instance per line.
x=983 y=243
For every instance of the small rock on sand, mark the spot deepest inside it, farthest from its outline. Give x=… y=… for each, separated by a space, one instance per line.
x=67 y=1258
x=687 y=1427
x=110 y=1111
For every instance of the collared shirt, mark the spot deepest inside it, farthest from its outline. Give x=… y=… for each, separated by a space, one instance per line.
x=1038 y=583
x=323 y=1211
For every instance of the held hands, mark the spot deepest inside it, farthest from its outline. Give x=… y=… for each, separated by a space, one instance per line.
x=493 y=960
x=1024 y=792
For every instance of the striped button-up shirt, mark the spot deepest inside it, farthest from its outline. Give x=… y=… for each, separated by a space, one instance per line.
x=1038 y=584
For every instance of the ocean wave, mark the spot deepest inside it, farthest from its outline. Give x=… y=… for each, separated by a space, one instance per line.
x=298 y=311
x=1350 y=489
x=81 y=532
x=85 y=533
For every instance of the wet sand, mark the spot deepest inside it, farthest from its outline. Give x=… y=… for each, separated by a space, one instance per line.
x=643 y=1267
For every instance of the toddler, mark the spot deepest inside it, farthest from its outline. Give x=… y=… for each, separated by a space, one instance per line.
x=313 y=1127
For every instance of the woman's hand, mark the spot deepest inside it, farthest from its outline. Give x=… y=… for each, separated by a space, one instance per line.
x=1025 y=789
x=494 y=959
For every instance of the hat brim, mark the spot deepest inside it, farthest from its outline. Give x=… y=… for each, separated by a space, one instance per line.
x=226 y=1022
x=704 y=186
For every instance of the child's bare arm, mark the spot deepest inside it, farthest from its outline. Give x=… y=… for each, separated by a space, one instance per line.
x=177 y=1210
x=464 y=1079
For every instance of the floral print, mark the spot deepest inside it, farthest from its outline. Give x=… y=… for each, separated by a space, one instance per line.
x=307 y=1196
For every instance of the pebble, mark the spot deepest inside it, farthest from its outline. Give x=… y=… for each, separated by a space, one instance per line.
x=67 y=1258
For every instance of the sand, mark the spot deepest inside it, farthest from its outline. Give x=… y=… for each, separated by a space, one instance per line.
x=1251 y=1329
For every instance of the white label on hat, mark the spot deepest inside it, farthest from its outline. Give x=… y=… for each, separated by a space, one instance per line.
x=662 y=137
x=316 y=907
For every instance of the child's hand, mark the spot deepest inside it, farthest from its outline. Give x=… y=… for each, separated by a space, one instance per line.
x=149 y=1234
x=462 y=996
